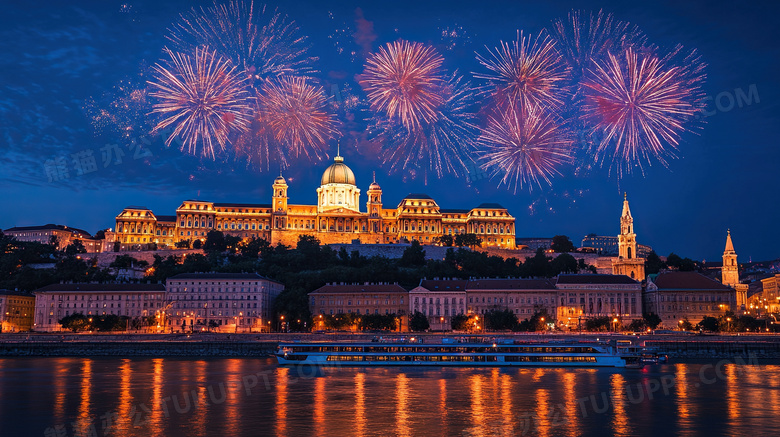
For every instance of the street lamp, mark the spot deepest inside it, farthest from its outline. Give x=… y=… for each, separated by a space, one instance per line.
x=681 y=324
x=615 y=323
x=441 y=321
x=728 y=319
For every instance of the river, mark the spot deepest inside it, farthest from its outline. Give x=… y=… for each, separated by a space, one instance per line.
x=61 y=397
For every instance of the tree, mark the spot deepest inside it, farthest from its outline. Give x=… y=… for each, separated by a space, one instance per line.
x=215 y=242
x=183 y=244
x=652 y=320
x=562 y=244
x=653 y=263
x=563 y=263
x=231 y=242
x=446 y=240
x=709 y=324
x=537 y=266
x=637 y=325
x=76 y=322
x=537 y=322
x=468 y=240
x=598 y=324
x=500 y=320
x=459 y=322
x=127 y=262
x=418 y=322
x=117 y=246
x=414 y=256
x=197 y=244
x=100 y=235
x=74 y=248
x=685 y=324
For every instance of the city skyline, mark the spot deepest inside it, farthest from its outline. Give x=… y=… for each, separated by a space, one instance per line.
x=69 y=58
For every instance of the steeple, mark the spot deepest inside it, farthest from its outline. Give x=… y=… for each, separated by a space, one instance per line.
x=729 y=244
x=338 y=157
x=729 y=274
x=628 y=263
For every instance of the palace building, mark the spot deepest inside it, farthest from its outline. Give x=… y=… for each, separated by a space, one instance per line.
x=336 y=218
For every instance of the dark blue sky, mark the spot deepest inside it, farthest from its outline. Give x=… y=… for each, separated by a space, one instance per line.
x=58 y=55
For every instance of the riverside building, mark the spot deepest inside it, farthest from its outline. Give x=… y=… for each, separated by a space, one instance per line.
x=56 y=301
x=230 y=302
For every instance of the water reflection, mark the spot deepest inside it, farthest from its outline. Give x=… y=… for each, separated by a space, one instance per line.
x=203 y=399
x=282 y=381
x=360 y=403
x=402 y=399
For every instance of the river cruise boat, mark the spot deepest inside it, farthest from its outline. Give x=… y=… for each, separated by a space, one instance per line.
x=472 y=354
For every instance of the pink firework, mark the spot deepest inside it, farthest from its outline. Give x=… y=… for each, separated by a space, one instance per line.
x=263 y=44
x=524 y=146
x=297 y=117
x=582 y=40
x=202 y=99
x=638 y=105
x=528 y=71
x=404 y=81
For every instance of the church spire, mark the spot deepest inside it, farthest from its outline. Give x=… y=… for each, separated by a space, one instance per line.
x=729 y=244
x=626 y=210
x=729 y=274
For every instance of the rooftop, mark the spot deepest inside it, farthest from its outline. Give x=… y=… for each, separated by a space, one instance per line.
x=166 y=218
x=243 y=205
x=4 y=292
x=48 y=226
x=444 y=284
x=490 y=206
x=359 y=288
x=595 y=279
x=511 y=284
x=89 y=287
x=418 y=196
x=226 y=276
x=687 y=281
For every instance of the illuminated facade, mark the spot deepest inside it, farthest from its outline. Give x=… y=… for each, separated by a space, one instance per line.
x=675 y=296
x=360 y=299
x=64 y=236
x=16 y=311
x=335 y=219
x=230 y=302
x=56 y=301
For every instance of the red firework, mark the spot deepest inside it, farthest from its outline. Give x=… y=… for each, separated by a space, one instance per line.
x=404 y=80
x=202 y=98
x=640 y=104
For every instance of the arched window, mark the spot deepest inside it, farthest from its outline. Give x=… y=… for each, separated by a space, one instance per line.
x=629 y=257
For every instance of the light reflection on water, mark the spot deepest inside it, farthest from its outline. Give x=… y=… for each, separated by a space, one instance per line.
x=204 y=397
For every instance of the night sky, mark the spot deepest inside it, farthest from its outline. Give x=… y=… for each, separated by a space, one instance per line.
x=59 y=56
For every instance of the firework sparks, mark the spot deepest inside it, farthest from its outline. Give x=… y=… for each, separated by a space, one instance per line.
x=528 y=71
x=524 y=146
x=202 y=98
x=582 y=42
x=296 y=115
x=262 y=44
x=404 y=80
x=122 y=111
x=444 y=143
x=640 y=104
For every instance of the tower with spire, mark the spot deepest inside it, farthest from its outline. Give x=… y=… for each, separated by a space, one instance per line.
x=730 y=271
x=628 y=263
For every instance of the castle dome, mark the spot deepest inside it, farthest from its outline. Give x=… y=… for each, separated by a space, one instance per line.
x=338 y=173
x=280 y=180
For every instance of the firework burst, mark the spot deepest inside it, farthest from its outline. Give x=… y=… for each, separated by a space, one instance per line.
x=444 y=143
x=529 y=72
x=202 y=99
x=639 y=104
x=404 y=81
x=261 y=43
x=295 y=115
x=524 y=146
x=582 y=41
